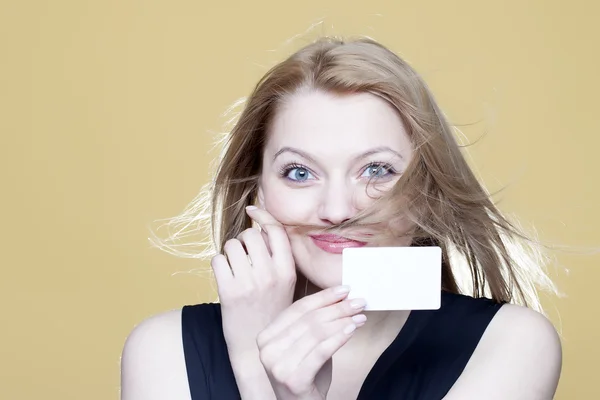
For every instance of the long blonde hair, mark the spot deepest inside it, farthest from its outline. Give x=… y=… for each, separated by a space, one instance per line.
x=484 y=254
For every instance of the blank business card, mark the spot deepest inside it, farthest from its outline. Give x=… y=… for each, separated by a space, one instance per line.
x=394 y=278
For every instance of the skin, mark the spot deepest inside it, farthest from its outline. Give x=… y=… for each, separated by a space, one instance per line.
x=321 y=346
x=321 y=153
x=341 y=140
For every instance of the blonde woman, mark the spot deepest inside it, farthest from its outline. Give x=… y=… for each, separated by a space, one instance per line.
x=342 y=145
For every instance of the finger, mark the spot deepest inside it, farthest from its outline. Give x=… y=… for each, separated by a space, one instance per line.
x=333 y=312
x=319 y=355
x=266 y=240
x=256 y=248
x=238 y=259
x=315 y=320
x=286 y=362
x=301 y=307
x=221 y=269
x=278 y=240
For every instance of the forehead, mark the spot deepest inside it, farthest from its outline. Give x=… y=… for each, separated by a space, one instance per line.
x=323 y=123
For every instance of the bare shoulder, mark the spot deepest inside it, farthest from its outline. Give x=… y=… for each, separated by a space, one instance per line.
x=153 y=363
x=519 y=357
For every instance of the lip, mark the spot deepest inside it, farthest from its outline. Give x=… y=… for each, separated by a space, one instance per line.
x=334 y=244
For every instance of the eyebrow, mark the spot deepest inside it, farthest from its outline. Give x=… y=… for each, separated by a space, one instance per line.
x=301 y=153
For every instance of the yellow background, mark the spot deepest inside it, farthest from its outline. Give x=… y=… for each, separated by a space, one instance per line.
x=108 y=109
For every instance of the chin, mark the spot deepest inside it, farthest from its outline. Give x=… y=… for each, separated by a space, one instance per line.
x=325 y=275
x=322 y=269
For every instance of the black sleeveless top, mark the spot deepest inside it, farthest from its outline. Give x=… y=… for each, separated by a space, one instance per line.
x=423 y=361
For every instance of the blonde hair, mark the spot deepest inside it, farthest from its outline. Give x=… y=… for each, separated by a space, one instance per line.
x=484 y=254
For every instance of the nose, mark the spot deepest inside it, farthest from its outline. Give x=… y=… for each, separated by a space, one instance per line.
x=337 y=203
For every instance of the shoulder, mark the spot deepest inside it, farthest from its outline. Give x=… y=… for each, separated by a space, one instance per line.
x=525 y=335
x=530 y=335
x=159 y=352
x=518 y=357
x=153 y=363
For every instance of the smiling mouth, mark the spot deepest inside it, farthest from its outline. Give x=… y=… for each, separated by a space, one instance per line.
x=334 y=243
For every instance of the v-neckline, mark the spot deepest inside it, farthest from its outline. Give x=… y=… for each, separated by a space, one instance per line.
x=416 y=321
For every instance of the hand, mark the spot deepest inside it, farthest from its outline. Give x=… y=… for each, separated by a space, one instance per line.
x=255 y=283
x=296 y=348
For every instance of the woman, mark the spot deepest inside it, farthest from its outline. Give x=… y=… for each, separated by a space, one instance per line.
x=342 y=145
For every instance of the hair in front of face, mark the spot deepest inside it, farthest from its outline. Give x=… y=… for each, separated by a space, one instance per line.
x=483 y=253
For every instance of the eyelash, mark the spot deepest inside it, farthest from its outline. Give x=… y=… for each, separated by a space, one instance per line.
x=286 y=169
x=388 y=167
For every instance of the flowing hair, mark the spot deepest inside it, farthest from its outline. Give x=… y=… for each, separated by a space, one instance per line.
x=483 y=253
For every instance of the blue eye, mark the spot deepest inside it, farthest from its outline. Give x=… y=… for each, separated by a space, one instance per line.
x=297 y=173
x=376 y=170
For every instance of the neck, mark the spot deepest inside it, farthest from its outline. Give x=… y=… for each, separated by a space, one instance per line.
x=381 y=325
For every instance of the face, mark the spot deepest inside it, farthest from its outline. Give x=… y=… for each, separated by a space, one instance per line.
x=322 y=151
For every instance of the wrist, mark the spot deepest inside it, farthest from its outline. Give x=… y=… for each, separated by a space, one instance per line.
x=250 y=376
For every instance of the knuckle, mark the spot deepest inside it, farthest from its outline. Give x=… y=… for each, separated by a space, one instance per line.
x=267 y=357
x=261 y=340
x=268 y=282
x=274 y=228
x=299 y=310
x=344 y=308
x=231 y=243
x=295 y=384
x=245 y=234
x=303 y=305
x=270 y=354
x=280 y=374
x=251 y=232
x=322 y=353
x=317 y=331
x=248 y=287
x=320 y=315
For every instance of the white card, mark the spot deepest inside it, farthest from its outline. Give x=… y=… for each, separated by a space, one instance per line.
x=394 y=278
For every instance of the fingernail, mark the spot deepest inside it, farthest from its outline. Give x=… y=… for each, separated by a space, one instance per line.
x=250 y=208
x=358 y=304
x=342 y=290
x=359 y=319
x=349 y=329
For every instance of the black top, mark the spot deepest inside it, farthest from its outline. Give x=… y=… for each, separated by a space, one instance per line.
x=423 y=361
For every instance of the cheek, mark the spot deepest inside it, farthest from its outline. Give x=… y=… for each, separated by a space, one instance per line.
x=288 y=206
x=366 y=195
